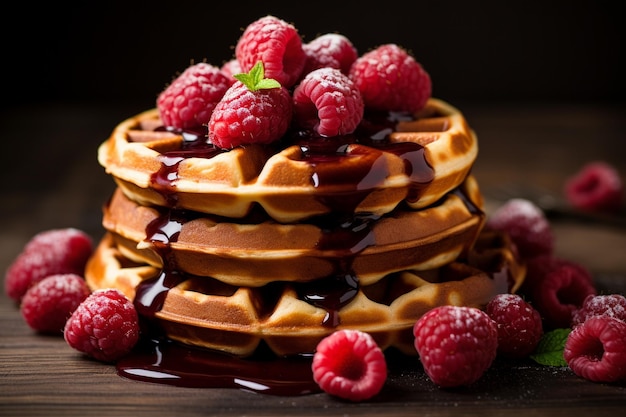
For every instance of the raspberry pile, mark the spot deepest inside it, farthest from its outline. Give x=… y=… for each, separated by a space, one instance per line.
x=561 y=290
x=322 y=86
x=46 y=280
x=57 y=251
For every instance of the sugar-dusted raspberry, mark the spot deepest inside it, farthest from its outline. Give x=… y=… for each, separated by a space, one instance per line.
x=255 y=110
x=105 y=326
x=597 y=187
x=277 y=44
x=557 y=288
x=390 y=79
x=527 y=226
x=190 y=99
x=519 y=325
x=350 y=365
x=331 y=50
x=56 y=251
x=328 y=102
x=48 y=304
x=456 y=345
x=612 y=305
x=596 y=350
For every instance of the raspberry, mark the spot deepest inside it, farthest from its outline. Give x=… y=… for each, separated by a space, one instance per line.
x=190 y=99
x=48 y=304
x=519 y=325
x=105 y=326
x=597 y=187
x=391 y=80
x=612 y=305
x=557 y=288
x=328 y=102
x=350 y=365
x=56 y=251
x=277 y=44
x=596 y=350
x=455 y=344
x=527 y=226
x=251 y=112
x=331 y=50
x=231 y=68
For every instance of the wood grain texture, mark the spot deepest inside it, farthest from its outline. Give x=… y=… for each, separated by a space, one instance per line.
x=41 y=375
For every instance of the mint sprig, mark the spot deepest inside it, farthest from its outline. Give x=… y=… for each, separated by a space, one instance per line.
x=255 y=79
x=549 y=351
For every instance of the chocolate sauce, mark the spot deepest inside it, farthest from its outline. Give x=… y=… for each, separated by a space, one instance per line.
x=194 y=145
x=167 y=362
x=329 y=157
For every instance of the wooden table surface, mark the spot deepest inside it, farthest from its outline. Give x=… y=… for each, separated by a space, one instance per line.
x=51 y=179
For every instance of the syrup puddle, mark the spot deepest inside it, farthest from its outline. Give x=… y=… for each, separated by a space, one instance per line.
x=166 y=362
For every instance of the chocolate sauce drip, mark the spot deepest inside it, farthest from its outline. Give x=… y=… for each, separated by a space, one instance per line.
x=330 y=294
x=193 y=145
x=150 y=294
x=471 y=206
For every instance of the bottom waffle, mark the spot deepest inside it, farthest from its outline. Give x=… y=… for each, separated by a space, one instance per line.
x=291 y=318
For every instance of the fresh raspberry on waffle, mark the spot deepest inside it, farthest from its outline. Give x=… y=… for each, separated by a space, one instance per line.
x=327 y=102
x=253 y=110
x=331 y=50
x=277 y=44
x=189 y=100
x=389 y=78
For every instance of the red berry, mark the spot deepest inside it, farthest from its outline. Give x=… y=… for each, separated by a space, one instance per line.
x=48 y=304
x=229 y=69
x=277 y=44
x=246 y=117
x=596 y=350
x=519 y=325
x=350 y=365
x=105 y=326
x=527 y=226
x=612 y=305
x=328 y=102
x=456 y=345
x=190 y=99
x=596 y=187
x=57 y=251
x=557 y=288
x=390 y=79
x=331 y=50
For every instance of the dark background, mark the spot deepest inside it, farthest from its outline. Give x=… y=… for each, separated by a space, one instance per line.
x=126 y=52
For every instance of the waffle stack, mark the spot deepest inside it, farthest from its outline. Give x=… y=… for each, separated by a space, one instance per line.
x=283 y=244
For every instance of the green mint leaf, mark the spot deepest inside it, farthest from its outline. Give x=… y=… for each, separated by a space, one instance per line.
x=267 y=83
x=255 y=79
x=549 y=351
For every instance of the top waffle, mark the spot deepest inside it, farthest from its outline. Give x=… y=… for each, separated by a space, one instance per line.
x=417 y=161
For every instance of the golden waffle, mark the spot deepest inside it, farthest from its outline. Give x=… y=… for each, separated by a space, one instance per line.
x=255 y=254
x=421 y=161
x=208 y=313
